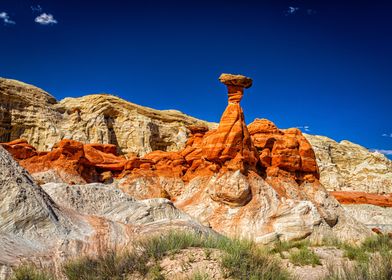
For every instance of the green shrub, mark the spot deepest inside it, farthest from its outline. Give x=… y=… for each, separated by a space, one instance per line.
x=355 y=253
x=111 y=265
x=30 y=272
x=199 y=276
x=285 y=246
x=378 y=243
x=304 y=256
x=155 y=273
x=245 y=260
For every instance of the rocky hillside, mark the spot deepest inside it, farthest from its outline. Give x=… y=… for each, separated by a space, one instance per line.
x=61 y=223
x=346 y=166
x=258 y=182
x=97 y=172
x=30 y=113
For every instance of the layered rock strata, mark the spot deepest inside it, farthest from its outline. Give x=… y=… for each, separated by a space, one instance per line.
x=28 y=112
x=36 y=227
x=260 y=183
x=346 y=166
x=31 y=113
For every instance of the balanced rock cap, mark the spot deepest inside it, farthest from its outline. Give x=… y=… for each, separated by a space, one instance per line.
x=235 y=80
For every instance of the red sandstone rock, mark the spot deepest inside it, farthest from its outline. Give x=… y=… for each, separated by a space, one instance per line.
x=377 y=230
x=363 y=198
x=20 y=149
x=283 y=152
x=73 y=161
x=255 y=182
x=231 y=144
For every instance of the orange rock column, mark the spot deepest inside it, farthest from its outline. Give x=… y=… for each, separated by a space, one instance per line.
x=230 y=145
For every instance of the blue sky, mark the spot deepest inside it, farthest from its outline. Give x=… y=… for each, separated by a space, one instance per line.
x=323 y=65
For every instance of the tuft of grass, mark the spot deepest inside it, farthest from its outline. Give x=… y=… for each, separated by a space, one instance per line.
x=111 y=265
x=355 y=253
x=198 y=275
x=284 y=246
x=240 y=259
x=378 y=243
x=155 y=273
x=30 y=272
x=244 y=260
x=304 y=256
x=379 y=267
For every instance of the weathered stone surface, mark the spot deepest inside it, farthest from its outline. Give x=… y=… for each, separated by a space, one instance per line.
x=371 y=215
x=258 y=182
x=220 y=180
x=27 y=112
x=230 y=143
x=283 y=152
x=88 y=220
x=383 y=200
x=30 y=113
x=346 y=166
x=235 y=80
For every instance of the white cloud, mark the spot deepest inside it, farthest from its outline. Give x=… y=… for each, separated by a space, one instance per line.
x=305 y=128
x=385 y=152
x=387 y=135
x=6 y=18
x=291 y=10
x=45 y=19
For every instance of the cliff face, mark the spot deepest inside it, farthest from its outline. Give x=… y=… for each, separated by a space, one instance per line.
x=30 y=113
x=346 y=166
x=259 y=183
x=27 y=112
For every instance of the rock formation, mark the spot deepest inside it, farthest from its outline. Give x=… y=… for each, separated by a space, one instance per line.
x=260 y=183
x=70 y=161
x=283 y=152
x=27 y=112
x=37 y=227
x=346 y=166
x=30 y=113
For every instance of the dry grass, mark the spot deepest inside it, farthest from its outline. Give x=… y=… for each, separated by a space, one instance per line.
x=240 y=260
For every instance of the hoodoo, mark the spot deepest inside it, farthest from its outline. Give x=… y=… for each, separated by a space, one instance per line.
x=257 y=182
x=231 y=143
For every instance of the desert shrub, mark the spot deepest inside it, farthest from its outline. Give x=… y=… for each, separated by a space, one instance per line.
x=373 y=244
x=285 y=246
x=30 y=272
x=240 y=260
x=111 y=265
x=378 y=243
x=154 y=273
x=198 y=275
x=244 y=260
x=304 y=256
x=158 y=246
x=355 y=253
